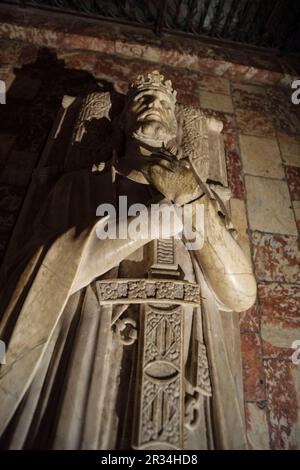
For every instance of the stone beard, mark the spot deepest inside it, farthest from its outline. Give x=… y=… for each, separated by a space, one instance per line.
x=119 y=343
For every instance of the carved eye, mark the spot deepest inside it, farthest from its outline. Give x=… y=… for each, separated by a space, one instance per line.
x=166 y=105
x=147 y=99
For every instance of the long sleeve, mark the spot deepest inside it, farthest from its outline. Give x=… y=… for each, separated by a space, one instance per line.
x=225 y=266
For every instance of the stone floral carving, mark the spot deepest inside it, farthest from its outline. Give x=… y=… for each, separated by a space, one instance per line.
x=137 y=290
x=150 y=290
x=126 y=328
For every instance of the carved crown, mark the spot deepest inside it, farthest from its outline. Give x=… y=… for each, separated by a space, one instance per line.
x=153 y=81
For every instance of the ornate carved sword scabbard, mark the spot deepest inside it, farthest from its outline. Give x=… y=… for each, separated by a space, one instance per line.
x=159 y=414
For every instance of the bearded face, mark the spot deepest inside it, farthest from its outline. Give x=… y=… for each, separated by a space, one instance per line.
x=150 y=118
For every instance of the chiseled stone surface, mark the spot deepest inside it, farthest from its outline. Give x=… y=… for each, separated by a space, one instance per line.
x=293 y=179
x=283 y=395
x=276 y=257
x=187 y=82
x=296 y=206
x=250 y=97
x=280 y=320
x=235 y=175
x=249 y=320
x=269 y=101
x=290 y=149
x=261 y=156
x=212 y=84
x=257 y=427
x=141 y=51
x=77 y=41
x=254 y=123
x=284 y=112
x=177 y=58
x=229 y=130
x=239 y=220
x=253 y=372
x=216 y=101
x=269 y=206
x=262 y=76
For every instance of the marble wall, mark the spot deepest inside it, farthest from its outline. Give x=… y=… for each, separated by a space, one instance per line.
x=262 y=144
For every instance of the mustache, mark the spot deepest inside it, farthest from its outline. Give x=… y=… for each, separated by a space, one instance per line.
x=164 y=121
x=156 y=126
x=143 y=111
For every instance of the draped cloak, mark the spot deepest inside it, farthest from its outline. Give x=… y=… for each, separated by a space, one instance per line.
x=61 y=386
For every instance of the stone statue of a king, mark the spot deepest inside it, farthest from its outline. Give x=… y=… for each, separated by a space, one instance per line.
x=120 y=342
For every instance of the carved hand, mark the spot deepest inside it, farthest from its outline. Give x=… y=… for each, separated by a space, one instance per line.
x=171 y=177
